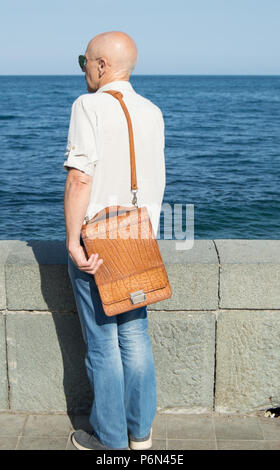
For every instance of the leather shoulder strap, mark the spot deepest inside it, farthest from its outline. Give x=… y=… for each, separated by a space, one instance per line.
x=119 y=96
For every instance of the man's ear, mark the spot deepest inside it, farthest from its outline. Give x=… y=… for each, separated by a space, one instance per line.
x=101 y=67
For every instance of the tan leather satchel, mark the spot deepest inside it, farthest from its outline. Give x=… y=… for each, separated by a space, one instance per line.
x=132 y=274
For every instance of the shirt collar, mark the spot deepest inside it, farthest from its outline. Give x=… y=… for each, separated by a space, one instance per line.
x=119 y=85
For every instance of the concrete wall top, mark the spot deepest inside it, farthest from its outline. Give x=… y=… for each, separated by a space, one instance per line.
x=212 y=274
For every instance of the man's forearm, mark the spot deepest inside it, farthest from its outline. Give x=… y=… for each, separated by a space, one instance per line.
x=76 y=201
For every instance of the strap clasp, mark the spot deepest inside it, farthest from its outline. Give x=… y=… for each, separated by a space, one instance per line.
x=134 y=199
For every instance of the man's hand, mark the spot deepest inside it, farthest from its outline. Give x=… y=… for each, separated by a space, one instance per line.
x=79 y=257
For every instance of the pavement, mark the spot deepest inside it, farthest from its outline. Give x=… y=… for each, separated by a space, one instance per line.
x=22 y=431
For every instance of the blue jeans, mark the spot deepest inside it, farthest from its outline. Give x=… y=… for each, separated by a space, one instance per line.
x=119 y=364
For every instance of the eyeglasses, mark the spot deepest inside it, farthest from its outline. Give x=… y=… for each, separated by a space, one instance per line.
x=82 y=61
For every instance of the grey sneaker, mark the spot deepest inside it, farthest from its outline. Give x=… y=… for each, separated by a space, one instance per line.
x=82 y=440
x=141 y=443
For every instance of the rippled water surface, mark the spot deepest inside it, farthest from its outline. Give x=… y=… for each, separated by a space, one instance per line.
x=222 y=152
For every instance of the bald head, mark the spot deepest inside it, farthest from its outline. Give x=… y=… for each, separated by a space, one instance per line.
x=118 y=48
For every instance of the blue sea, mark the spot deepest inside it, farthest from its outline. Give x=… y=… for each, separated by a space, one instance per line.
x=222 y=153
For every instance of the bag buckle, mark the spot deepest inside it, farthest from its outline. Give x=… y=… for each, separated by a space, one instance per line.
x=134 y=199
x=137 y=297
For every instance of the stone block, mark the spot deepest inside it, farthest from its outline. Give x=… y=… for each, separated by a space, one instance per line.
x=37 y=277
x=46 y=363
x=249 y=274
x=47 y=443
x=193 y=276
x=11 y=425
x=190 y=427
x=3 y=367
x=47 y=371
x=184 y=352
x=43 y=426
x=247 y=361
x=5 y=248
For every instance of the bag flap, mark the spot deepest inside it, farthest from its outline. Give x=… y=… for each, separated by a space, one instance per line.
x=120 y=290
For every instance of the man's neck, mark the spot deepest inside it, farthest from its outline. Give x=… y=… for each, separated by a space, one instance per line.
x=112 y=79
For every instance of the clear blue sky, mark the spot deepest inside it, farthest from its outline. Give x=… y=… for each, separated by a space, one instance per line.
x=172 y=36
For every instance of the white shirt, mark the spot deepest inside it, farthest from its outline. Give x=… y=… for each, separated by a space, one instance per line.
x=98 y=144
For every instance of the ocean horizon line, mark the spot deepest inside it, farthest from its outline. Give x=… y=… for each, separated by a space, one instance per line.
x=146 y=75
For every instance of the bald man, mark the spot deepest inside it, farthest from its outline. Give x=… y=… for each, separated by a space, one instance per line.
x=119 y=359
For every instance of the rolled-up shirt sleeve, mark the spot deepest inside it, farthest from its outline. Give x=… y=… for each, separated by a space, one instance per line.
x=81 y=143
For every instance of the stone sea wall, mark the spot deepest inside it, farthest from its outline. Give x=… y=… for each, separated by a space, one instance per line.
x=216 y=341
